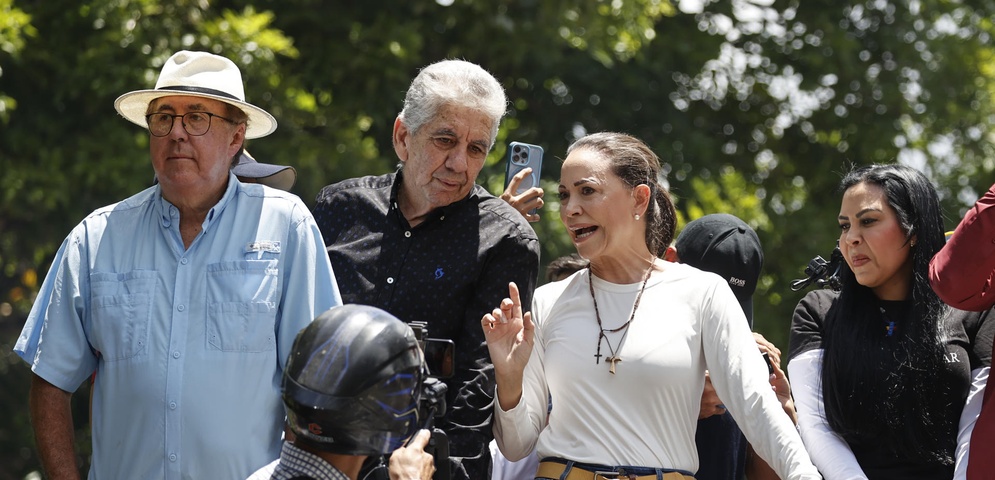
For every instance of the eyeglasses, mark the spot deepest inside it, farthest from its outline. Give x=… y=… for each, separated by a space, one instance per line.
x=195 y=123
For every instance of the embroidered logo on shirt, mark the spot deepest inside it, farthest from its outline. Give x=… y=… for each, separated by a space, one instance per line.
x=271 y=247
x=737 y=282
x=439 y=273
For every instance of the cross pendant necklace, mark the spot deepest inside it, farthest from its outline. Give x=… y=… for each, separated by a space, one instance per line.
x=614 y=357
x=613 y=360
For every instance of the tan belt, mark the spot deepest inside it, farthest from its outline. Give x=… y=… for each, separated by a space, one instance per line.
x=555 y=469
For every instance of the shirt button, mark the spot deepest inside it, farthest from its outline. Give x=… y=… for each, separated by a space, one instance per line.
x=172 y=457
x=390 y=280
x=407 y=234
x=176 y=354
x=172 y=405
x=181 y=308
x=184 y=260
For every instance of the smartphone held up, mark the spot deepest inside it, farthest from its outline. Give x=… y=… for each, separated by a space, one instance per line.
x=522 y=156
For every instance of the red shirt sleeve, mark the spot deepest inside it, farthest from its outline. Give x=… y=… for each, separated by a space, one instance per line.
x=962 y=272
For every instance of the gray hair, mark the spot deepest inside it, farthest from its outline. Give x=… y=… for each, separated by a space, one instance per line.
x=453 y=83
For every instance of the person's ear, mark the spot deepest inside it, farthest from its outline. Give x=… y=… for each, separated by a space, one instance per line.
x=237 y=139
x=401 y=138
x=641 y=197
x=670 y=255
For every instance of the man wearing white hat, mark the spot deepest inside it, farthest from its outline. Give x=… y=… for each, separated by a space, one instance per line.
x=182 y=301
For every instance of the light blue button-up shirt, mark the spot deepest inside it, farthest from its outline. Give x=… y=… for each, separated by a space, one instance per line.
x=188 y=345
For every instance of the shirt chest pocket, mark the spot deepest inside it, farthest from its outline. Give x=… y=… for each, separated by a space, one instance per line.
x=242 y=301
x=121 y=312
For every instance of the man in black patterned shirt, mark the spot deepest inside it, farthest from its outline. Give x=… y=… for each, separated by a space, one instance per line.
x=427 y=244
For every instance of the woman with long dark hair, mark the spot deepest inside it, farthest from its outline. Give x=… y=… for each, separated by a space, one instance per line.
x=880 y=369
x=622 y=346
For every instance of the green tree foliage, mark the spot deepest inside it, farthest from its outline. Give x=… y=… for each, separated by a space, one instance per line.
x=755 y=107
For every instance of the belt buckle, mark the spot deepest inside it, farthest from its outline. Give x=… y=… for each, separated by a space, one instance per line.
x=606 y=475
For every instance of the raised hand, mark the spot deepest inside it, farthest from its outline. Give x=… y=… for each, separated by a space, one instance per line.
x=510 y=337
x=528 y=200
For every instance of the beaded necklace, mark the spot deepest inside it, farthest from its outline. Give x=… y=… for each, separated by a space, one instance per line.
x=614 y=358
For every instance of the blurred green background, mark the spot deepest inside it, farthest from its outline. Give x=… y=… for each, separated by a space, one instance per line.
x=756 y=108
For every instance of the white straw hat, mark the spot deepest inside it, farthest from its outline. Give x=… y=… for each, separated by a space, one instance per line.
x=197 y=74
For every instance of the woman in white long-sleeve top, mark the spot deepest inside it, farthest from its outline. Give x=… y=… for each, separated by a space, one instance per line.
x=622 y=347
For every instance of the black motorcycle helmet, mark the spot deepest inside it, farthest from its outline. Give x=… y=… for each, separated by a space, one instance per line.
x=353 y=382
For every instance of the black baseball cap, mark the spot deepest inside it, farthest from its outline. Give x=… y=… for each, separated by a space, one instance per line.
x=724 y=244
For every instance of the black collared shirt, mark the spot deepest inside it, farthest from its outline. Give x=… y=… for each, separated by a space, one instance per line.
x=448 y=271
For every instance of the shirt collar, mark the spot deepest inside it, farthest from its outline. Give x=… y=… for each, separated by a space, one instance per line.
x=168 y=213
x=436 y=213
x=295 y=460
